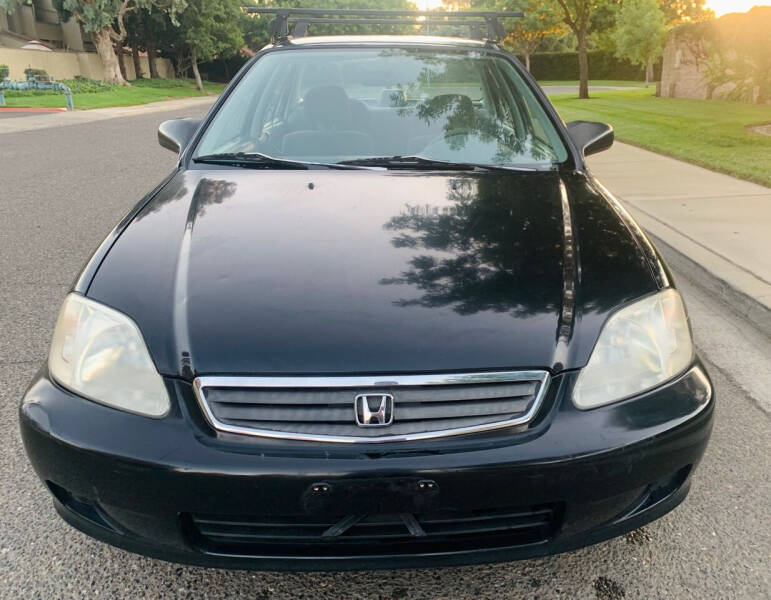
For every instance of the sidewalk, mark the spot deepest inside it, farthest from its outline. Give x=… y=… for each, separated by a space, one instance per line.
x=720 y=223
x=63 y=119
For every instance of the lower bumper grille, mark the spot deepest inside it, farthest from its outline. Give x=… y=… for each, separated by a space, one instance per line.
x=371 y=535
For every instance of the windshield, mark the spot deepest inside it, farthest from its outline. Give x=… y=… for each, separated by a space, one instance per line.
x=333 y=105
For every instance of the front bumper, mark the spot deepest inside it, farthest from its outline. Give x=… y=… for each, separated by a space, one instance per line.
x=173 y=489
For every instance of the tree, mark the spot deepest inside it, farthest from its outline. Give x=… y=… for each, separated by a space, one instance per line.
x=641 y=32
x=135 y=39
x=257 y=35
x=210 y=29
x=150 y=30
x=525 y=35
x=739 y=55
x=105 y=21
x=685 y=11
x=578 y=15
x=255 y=29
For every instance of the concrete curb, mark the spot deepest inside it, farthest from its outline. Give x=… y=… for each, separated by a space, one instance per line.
x=747 y=307
x=26 y=109
x=717 y=222
x=745 y=292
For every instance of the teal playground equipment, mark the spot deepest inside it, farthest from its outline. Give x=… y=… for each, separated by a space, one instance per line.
x=37 y=79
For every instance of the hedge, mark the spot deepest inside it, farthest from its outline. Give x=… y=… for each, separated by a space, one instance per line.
x=547 y=66
x=563 y=66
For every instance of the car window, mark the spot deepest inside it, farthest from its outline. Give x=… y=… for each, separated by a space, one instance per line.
x=330 y=105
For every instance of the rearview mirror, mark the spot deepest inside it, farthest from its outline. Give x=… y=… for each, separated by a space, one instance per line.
x=591 y=137
x=175 y=135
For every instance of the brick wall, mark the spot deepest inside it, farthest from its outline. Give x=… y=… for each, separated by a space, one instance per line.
x=681 y=76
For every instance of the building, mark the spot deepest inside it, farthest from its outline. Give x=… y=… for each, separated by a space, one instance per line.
x=73 y=52
x=40 y=21
x=712 y=59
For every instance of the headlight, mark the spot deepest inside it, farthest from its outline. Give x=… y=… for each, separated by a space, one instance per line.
x=640 y=346
x=99 y=353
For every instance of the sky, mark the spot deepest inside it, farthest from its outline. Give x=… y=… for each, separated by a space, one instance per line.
x=720 y=7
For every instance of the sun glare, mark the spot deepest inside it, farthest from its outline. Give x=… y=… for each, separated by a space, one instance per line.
x=722 y=7
x=428 y=4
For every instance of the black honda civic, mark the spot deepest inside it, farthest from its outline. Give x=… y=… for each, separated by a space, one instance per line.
x=380 y=315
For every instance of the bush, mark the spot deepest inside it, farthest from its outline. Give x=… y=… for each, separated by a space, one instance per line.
x=179 y=82
x=41 y=74
x=161 y=83
x=4 y=71
x=603 y=64
x=84 y=85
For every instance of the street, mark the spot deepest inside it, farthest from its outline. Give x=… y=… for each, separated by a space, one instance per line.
x=62 y=189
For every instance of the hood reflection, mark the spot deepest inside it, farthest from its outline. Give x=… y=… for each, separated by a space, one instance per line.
x=207 y=192
x=495 y=248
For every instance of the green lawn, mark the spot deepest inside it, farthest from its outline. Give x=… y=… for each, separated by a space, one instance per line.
x=141 y=92
x=710 y=133
x=608 y=82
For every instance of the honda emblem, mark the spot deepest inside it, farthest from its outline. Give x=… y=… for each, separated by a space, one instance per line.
x=374 y=410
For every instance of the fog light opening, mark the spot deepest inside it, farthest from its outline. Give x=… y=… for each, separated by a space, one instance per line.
x=657 y=492
x=83 y=508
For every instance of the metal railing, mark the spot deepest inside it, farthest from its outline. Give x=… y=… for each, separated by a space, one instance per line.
x=35 y=81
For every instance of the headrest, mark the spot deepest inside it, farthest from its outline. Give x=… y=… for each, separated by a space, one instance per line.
x=327 y=106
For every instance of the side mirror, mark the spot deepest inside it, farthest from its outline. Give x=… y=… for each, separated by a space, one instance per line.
x=174 y=135
x=591 y=137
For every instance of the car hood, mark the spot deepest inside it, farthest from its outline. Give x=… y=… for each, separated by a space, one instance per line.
x=242 y=272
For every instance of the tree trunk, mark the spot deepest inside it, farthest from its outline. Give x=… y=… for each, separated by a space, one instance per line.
x=649 y=74
x=137 y=62
x=151 y=61
x=583 y=69
x=762 y=96
x=107 y=56
x=121 y=64
x=180 y=65
x=198 y=82
x=527 y=61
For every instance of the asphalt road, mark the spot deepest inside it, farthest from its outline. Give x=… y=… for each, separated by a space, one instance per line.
x=62 y=190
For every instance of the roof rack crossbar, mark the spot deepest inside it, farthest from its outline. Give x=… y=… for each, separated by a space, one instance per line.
x=478 y=28
x=302 y=17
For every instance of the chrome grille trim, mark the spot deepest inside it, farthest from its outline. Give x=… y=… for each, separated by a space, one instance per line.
x=363 y=383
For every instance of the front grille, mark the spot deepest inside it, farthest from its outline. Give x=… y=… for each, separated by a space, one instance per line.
x=357 y=535
x=323 y=409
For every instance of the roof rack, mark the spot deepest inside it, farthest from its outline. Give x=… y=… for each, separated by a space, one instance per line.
x=484 y=24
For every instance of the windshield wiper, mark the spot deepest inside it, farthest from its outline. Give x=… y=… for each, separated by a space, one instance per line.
x=256 y=160
x=420 y=162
